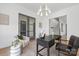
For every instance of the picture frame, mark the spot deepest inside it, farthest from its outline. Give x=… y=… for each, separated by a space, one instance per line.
x=4 y=19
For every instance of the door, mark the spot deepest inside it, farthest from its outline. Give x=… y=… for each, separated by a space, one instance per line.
x=27 y=25
x=23 y=28
x=31 y=27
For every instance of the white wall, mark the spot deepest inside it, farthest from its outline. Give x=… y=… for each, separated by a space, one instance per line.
x=8 y=32
x=63 y=20
x=45 y=25
x=72 y=19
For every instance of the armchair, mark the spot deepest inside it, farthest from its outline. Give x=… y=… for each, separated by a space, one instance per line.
x=70 y=49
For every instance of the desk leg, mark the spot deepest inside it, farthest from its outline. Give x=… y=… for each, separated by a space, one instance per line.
x=37 y=49
x=48 y=51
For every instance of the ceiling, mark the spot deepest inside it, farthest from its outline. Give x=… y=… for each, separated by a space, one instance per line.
x=52 y=6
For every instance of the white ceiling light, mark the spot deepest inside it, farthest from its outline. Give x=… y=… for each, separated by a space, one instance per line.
x=43 y=11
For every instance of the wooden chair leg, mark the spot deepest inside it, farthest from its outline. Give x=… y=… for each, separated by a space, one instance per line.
x=37 y=49
x=48 y=51
x=58 y=53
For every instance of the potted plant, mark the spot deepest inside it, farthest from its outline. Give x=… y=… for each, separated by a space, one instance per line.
x=15 y=43
x=20 y=38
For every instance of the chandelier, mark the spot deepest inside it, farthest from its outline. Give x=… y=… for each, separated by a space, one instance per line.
x=43 y=10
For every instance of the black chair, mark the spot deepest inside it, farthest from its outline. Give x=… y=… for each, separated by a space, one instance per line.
x=70 y=49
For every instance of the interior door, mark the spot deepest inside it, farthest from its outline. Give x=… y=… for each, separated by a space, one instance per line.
x=23 y=28
x=27 y=25
x=31 y=27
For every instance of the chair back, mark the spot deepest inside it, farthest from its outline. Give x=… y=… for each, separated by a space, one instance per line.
x=49 y=37
x=74 y=41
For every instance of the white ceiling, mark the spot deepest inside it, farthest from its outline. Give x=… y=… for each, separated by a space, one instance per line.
x=52 y=6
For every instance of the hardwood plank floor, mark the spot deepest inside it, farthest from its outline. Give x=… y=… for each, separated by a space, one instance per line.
x=4 y=51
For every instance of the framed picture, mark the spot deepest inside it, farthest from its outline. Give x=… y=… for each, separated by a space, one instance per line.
x=4 y=19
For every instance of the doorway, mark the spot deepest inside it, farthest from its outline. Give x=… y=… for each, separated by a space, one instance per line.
x=27 y=26
x=58 y=26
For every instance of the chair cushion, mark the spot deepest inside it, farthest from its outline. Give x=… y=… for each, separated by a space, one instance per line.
x=73 y=52
x=62 y=47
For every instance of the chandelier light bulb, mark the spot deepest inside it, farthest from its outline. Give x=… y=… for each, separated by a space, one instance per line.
x=41 y=14
x=46 y=8
x=46 y=14
x=40 y=8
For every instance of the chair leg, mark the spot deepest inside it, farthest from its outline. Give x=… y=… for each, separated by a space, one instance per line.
x=37 y=49
x=48 y=51
x=58 y=53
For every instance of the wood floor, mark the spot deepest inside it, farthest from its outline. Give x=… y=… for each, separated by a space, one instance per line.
x=4 y=51
x=30 y=50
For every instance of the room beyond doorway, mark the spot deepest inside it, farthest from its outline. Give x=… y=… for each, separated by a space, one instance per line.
x=58 y=26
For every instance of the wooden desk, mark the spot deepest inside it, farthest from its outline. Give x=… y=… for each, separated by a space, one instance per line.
x=46 y=43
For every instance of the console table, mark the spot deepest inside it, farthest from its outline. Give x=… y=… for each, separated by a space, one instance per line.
x=46 y=43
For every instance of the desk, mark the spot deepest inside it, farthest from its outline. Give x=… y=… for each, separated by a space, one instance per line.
x=46 y=43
